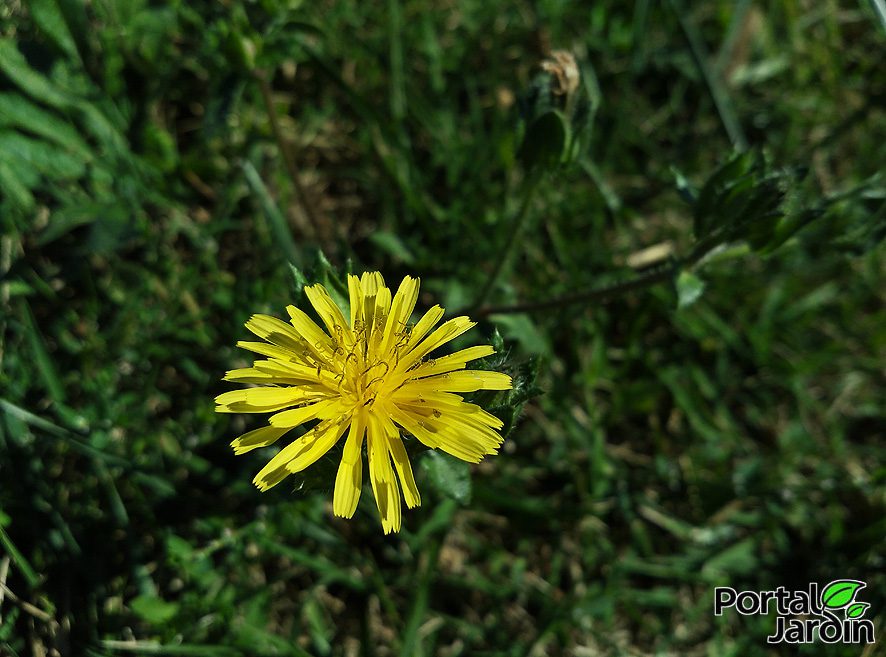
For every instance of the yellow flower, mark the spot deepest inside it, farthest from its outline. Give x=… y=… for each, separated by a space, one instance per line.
x=370 y=377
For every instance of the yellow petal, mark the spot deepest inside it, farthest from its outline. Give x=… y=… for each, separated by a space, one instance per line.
x=296 y=416
x=404 y=468
x=316 y=341
x=300 y=453
x=288 y=372
x=371 y=282
x=401 y=310
x=355 y=295
x=276 y=332
x=466 y=442
x=258 y=438
x=446 y=332
x=248 y=375
x=445 y=402
x=348 y=484
x=270 y=350
x=317 y=447
x=454 y=361
x=260 y=400
x=381 y=475
x=460 y=381
x=349 y=479
x=425 y=324
x=354 y=444
x=331 y=314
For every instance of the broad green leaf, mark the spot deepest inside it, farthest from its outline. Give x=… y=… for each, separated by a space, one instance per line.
x=840 y=593
x=450 y=476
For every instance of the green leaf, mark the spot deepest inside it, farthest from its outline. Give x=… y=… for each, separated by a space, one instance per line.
x=740 y=558
x=276 y=221
x=689 y=288
x=525 y=331
x=18 y=559
x=44 y=363
x=14 y=65
x=545 y=141
x=857 y=609
x=14 y=188
x=17 y=149
x=318 y=626
x=840 y=593
x=46 y=14
x=449 y=475
x=298 y=278
x=153 y=609
x=391 y=244
x=18 y=112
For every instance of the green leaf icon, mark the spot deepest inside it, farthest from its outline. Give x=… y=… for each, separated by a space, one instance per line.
x=840 y=593
x=856 y=609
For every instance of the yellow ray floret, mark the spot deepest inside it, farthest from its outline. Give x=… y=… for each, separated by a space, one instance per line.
x=368 y=373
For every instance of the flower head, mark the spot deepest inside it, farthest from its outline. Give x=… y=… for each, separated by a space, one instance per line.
x=368 y=376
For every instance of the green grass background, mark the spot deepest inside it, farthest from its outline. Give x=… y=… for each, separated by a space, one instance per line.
x=147 y=212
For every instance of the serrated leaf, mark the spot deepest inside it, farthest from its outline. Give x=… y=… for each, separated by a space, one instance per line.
x=840 y=593
x=449 y=475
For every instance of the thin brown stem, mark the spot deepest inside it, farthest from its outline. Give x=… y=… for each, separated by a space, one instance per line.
x=285 y=150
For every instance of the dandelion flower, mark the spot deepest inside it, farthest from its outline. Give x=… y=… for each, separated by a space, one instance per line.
x=369 y=377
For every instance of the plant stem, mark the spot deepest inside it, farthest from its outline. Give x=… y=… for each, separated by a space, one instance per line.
x=516 y=228
x=661 y=273
x=285 y=151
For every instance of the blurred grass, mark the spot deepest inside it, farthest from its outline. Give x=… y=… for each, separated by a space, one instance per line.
x=147 y=212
